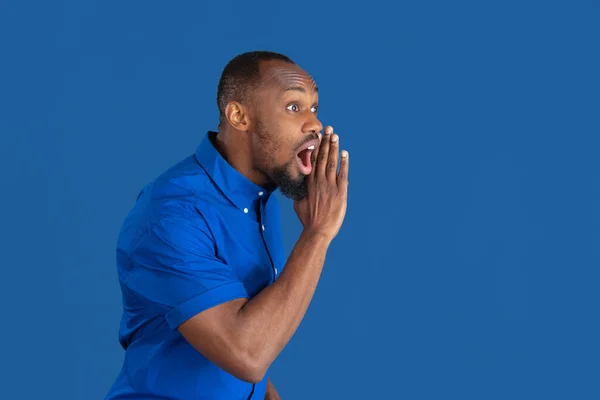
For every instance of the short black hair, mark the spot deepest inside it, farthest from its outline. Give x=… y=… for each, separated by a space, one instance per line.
x=241 y=75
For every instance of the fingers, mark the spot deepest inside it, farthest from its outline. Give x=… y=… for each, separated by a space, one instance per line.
x=320 y=168
x=332 y=160
x=342 y=178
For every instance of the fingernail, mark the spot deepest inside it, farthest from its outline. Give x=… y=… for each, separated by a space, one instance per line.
x=334 y=138
x=344 y=153
x=329 y=129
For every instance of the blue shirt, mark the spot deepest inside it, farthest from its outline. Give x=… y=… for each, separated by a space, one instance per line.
x=199 y=235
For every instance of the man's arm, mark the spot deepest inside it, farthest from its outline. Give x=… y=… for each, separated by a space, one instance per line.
x=271 y=393
x=243 y=336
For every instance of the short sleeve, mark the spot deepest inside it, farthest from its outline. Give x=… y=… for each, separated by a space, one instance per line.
x=174 y=271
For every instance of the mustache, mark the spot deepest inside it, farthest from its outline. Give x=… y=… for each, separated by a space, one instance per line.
x=307 y=139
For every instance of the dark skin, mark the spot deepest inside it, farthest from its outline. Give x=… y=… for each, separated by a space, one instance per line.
x=261 y=139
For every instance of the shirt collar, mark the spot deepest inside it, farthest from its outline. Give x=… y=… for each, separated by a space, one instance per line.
x=241 y=191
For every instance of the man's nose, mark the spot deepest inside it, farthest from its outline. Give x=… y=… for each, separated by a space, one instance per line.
x=313 y=125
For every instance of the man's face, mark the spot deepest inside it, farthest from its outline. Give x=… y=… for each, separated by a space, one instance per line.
x=285 y=126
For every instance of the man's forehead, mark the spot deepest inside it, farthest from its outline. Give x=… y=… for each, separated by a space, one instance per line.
x=283 y=76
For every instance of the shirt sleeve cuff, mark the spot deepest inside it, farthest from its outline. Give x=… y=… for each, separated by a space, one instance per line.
x=204 y=301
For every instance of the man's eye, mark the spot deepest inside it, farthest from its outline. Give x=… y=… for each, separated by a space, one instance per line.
x=293 y=107
x=315 y=109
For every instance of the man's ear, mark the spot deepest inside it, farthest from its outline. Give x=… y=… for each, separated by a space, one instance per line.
x=238 y=116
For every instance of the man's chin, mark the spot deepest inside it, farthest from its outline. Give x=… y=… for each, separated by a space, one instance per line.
x=293 y=189
x=295 y=193
x=294 y=196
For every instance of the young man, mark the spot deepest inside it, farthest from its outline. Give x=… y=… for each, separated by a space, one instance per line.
x=209 y=300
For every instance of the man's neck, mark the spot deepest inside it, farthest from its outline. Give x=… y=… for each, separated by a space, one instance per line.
x=236 y=151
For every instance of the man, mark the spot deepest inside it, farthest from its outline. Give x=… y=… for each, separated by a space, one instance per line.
x=209 y=301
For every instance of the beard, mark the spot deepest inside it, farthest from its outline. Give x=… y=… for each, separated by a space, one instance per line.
x=295 y=189
x=279 y=175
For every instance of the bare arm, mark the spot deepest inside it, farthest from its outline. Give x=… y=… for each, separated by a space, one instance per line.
x=271 y=393
x=244 y=336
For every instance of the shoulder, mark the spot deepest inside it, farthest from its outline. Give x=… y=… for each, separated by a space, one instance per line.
x=177 y=202
x=177 y=193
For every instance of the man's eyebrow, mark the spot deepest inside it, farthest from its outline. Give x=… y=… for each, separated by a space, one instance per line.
x=299 y=89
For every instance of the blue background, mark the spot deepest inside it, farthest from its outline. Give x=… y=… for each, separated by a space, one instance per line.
x=468 y=264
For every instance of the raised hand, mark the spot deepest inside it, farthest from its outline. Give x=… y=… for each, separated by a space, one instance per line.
x=323 y=210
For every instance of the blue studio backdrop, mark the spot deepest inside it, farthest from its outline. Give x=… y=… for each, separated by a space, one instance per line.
x=467 y=266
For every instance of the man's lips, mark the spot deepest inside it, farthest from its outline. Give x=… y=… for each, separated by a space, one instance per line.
x=309 y=145
x=304 y=156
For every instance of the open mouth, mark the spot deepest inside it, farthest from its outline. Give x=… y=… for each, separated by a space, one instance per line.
x=303 y=158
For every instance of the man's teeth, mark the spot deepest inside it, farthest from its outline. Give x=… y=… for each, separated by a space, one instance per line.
x=311 y=147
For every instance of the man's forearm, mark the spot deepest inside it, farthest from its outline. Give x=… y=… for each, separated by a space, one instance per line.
x=271 y=393
x=267 y=322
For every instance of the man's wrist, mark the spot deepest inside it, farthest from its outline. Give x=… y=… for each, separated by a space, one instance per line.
x=317 y=237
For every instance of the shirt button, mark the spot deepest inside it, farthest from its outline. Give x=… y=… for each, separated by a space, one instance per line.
x=276 y=271
x=246 y=210
x=263 y=227
x=260 y=193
